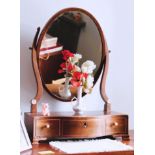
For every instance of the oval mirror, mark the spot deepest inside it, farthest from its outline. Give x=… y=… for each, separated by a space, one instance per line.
x=70 y=32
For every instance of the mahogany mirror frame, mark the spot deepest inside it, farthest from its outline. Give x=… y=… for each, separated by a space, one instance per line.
x=35 y=60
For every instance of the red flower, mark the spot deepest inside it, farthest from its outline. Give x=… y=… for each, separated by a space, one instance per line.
x=63 y=65
x=85 y=75
x=76 y=80
x=66 y=54
x=70 y=67
x=75 y=83
x=60 y=71
x=63 y=68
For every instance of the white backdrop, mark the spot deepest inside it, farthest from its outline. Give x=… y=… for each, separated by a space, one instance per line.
x=116 y=19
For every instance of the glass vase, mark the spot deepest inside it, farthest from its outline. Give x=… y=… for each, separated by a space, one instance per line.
x=64 y=91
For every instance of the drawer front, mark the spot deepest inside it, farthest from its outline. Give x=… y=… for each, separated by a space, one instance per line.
x=116 y=125
x=83 y=128
x=47 y=128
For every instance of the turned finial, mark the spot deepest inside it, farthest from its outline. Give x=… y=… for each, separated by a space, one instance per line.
x=33 y=106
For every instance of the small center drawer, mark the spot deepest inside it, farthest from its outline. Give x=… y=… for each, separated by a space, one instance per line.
x=47 y=127
x=116 y=125
x=83 y=128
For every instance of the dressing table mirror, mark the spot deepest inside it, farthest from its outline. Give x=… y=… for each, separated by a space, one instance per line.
x=75 y=30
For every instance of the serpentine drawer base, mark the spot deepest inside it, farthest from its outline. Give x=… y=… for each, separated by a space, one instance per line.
x=65 y=125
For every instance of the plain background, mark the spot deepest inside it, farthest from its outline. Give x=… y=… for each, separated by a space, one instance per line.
x=116 y=20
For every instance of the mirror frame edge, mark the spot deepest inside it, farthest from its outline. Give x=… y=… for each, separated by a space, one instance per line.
x=104 y=60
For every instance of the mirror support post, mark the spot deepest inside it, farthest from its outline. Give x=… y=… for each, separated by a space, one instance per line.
x=39 y=82
x=37 y=75
x=107 y=105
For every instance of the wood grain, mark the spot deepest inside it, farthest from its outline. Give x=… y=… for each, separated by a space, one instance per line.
x=88 y=125
x=83 y=127
x=37 y=74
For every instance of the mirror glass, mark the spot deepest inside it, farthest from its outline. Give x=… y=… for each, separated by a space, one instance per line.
x=71 y=31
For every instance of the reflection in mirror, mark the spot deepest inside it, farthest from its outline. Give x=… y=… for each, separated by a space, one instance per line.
x=73 y=31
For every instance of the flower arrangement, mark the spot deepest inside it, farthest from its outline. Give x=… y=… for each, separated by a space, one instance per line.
x=69 y=66
x=79 y=76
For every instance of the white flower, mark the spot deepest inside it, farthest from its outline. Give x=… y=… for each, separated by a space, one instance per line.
x=89 y=81
x=86 y=90
x=77 y=68
x=76 y=58
x=89 y=84
x=88 y=67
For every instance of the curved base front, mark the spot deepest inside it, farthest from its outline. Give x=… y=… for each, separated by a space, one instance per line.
x=71 y=126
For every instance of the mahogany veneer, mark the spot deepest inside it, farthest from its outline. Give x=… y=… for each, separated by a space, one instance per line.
x=68 y=125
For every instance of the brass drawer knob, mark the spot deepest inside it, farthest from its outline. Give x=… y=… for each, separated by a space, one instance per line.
x=84 y=124
x=48 y=126
x=115 y=124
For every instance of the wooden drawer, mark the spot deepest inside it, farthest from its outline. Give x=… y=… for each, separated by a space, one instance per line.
x=83 y=128
x=116 y=125
x=47 y=127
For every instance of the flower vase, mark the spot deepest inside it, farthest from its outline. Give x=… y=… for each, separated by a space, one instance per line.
x=64 y=91
x=78 y=107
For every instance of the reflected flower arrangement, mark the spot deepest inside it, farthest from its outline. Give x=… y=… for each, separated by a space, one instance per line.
x=79 y=76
